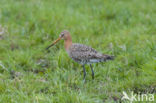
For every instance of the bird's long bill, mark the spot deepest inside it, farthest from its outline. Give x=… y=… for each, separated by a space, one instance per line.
x=53 y=43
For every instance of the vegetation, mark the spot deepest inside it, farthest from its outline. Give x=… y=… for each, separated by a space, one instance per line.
x=30 y=74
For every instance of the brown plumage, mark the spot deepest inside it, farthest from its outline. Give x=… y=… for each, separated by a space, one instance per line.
x=81 y=53
x=86 y=55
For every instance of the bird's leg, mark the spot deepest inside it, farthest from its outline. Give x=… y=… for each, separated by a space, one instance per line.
x=84 y=71
x=92 y=71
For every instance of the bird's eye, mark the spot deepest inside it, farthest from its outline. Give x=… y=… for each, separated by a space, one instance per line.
x=62 y=35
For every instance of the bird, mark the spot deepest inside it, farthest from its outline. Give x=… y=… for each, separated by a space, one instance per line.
x=80 y=53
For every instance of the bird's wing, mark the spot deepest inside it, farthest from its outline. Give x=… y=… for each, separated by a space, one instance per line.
x=80 y=51
x=83 y=52
x=82 y=48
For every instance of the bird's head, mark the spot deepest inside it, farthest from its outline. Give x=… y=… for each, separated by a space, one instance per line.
x=64 y=35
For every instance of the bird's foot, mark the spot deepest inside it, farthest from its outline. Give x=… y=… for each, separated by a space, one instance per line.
x=93 y=77
x=84 y=80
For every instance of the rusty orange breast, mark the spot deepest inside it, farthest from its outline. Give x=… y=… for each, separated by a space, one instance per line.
x=67 y=42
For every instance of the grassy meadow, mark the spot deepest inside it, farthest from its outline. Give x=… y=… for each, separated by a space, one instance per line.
x=30 y=74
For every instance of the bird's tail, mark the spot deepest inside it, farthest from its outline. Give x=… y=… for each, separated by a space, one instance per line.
x=108 y=57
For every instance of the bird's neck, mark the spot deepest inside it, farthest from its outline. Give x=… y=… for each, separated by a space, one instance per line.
x=68 y=42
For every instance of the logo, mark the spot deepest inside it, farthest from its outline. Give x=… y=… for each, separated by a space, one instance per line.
x=137 y=97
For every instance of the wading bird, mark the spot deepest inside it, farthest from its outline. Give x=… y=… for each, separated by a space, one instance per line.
x=81 y=53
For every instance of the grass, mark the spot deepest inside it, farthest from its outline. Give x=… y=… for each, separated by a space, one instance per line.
x=29 y=74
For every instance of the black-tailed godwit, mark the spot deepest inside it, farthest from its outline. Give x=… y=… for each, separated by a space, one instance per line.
x=81 y=53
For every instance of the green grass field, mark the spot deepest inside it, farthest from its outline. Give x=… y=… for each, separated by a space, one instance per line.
x=29 y=74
